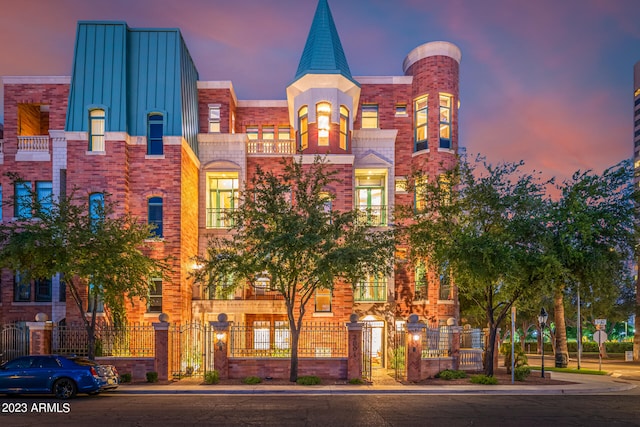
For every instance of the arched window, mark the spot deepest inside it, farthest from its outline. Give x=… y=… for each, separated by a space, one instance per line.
x=344 y=127
x=155 y=133
x=96 y=129
x=155 y=215
x=96 y=206
x=323 y=118
x=303 y=128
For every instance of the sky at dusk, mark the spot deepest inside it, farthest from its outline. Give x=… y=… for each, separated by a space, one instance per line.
x=549 y=82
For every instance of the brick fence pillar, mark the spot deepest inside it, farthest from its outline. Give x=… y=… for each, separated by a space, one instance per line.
x=162 y=354
x=415 y=331
x=354 y=361
x=455 y=346
x=220 y=346
x=40 y=333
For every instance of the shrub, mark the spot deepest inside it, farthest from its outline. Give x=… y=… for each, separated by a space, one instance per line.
x=309 y=380
x=356 y=381
x=211 y=377
x=521 y=373
x=252 y=380
x=398 y=358
x=484 y=379
x=449 y=374
x=152 y=377
x=520 y=359
x=125 y=378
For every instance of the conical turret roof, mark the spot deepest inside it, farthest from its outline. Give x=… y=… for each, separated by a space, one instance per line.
x=323 y=52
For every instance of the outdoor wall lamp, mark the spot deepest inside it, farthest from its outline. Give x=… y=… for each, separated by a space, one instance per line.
x=542 y=319
x=220 y=336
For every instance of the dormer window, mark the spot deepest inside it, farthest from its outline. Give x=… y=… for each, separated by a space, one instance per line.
x=323 y=116
x=96 y=130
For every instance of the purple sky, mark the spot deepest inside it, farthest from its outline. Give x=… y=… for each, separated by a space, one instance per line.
x=546 y=81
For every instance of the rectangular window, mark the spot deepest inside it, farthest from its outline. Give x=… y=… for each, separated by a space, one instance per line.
x=445 y=121
x=155 y=134
x=44 y=195
x=284 y=133
x=95 y=297
x=63 y=290
x=445 y=283
x=369 y=116
x=344 y=127
x=214 y=118
x=22 y=206
x=252 y=133
x=154 y=304
x=421 y=281
x=420 y=123
x=96 y=130
x=401 y=184
x=303 y=126
x=222 y=198
x=21 y=288
x=43 y=290
x=323 y=301
x=268 y=132
x=323 y=118
x=420 y=189
x=155 y=215
x=370 y=198
x=401 y=110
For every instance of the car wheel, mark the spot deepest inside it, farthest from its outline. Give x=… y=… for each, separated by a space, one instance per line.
x=64 y=388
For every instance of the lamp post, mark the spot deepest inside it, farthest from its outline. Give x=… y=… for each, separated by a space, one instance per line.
x=542 y=319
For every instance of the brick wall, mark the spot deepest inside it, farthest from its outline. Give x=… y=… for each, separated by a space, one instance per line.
x=326 y=369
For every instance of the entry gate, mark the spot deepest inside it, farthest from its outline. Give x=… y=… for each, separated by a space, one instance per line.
x=191 y=349
x=367 y=350
x=14 y=341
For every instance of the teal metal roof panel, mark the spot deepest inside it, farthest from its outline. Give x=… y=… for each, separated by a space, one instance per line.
x=323 y=53
x=98 y=75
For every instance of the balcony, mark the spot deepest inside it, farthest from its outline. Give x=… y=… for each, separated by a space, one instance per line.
x=219 y=217
x=271 y=146
x=373 y=215
x=33 y=148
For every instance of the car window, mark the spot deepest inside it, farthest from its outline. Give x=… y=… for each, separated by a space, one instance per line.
x=47 y=362
x=20 y=363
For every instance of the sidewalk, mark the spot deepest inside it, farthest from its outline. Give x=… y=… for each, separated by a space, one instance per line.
x=582 y=384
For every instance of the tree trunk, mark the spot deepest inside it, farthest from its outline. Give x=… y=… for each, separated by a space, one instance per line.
x=293 y=372
x=561 y=349
x=490 y=351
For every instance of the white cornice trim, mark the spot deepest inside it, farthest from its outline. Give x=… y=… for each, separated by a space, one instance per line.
x=263 y=103
x=52 y=80
x=334 y=159
x=384 y=80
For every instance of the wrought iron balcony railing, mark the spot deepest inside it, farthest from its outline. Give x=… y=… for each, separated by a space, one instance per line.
x=219 y=217
x=374 y=215
x=370 y=291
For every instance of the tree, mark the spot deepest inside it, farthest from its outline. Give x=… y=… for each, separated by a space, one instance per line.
x=593 y=240
x=484 y=222
x=286 y=229
x=88 y=244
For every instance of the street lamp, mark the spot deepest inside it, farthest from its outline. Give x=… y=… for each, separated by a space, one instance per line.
x=542 y=320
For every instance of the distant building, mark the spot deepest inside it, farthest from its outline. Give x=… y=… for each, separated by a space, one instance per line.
x=135 y=121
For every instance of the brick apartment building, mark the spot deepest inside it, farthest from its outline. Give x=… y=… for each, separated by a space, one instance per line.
x=135 y=121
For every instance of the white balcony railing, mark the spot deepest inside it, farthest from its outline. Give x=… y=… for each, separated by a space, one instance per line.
x=271 y=146
x=35 y=143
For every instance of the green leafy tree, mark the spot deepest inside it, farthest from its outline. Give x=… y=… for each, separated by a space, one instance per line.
x=594 y=239
x=485 y=222
x=286 y=229
x=85 y=244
